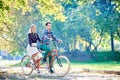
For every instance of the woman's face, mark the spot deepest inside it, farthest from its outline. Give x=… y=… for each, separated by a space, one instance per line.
x=33 y=29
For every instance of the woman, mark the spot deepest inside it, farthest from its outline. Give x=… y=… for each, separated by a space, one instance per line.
x=32 y=46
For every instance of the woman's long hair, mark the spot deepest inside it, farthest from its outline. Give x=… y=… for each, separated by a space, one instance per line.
x=30 y=28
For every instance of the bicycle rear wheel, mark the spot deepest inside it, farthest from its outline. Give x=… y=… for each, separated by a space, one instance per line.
x=61 y=66
x=26 y=65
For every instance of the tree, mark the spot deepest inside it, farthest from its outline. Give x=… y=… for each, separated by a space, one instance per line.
x=108 y=18
x=14 y=25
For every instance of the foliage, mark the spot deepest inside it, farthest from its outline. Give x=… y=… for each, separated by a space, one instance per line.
x=76 y=22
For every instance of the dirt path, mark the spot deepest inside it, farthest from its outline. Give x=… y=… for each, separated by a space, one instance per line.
x=14 y=73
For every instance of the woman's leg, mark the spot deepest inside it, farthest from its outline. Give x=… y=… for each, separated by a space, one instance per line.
x=34 y=55
x=33 y=58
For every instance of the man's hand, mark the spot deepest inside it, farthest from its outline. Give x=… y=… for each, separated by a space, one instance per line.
x=50 y=39
x=60 y=41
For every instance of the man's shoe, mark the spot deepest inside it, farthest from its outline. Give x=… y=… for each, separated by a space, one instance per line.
x=51 y=70
x=44 y=60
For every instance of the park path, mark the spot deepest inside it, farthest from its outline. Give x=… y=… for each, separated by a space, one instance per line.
x=15 y=73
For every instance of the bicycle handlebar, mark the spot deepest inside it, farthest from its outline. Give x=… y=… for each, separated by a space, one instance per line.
x=51 y=39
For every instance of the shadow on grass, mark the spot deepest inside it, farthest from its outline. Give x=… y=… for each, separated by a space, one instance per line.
x=45 y=76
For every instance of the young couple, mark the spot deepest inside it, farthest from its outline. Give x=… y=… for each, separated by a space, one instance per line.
x=33 y=37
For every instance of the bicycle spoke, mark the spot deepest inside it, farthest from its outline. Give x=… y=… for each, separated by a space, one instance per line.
x=61 y=66
x=26 y=65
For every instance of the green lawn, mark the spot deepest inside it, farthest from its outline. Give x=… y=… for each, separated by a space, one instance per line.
x=103 y=61
x=113 y=65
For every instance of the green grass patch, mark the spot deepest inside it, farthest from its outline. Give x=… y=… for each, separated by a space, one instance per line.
x=102 y=61
x=113 y=65
x=17 y=64
x=107 y=56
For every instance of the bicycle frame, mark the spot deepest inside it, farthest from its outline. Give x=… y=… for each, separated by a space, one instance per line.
x=57 y=63
x=55 y=56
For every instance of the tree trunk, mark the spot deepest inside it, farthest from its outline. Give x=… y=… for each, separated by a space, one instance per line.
x=112 y=39
x=96 y=46
x=67 y=48
x=75 y=41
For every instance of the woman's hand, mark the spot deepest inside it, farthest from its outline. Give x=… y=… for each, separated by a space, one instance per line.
x=34 y=45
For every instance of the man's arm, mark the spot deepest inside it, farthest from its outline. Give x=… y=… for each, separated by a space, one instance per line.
x=44 y=34
x=56 y=39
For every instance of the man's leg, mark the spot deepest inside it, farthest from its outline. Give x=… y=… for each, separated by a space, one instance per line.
x=47 y=51
x=48 y=54
x=51 y=59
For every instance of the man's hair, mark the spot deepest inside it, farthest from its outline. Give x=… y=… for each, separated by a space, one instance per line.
x=47 y=23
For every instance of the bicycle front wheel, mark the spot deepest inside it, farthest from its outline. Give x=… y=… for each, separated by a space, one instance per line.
x=61 y=66
x=26 y=65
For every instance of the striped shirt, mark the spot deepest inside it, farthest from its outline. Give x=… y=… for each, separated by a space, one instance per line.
x=46 y=35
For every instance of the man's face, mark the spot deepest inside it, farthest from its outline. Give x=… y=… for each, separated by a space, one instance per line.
x=48 y=26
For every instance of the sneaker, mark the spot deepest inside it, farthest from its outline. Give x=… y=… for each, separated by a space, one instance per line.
x=38 y=70
x=51 y=70
x=44 y=60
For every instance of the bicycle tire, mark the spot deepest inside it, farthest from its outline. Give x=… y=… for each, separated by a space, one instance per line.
x=61 y=66
x=25 y=69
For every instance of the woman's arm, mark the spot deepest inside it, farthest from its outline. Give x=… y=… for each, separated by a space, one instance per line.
x=30 y=41
x=38 y=38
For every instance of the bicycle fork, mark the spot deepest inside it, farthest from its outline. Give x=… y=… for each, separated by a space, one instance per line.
x=59 y=62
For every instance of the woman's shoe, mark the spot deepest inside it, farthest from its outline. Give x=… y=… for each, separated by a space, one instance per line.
x=44 y=60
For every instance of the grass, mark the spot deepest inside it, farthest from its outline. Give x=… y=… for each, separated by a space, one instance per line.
x=18 y=64
x=107 y=56
x=104 y=61
x=113 y=65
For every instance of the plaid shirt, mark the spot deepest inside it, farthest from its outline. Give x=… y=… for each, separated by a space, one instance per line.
x=46 y=37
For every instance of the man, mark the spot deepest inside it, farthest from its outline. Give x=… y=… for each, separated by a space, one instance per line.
x=47 y=35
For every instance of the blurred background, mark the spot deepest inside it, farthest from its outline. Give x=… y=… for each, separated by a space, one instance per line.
x=90 y=29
